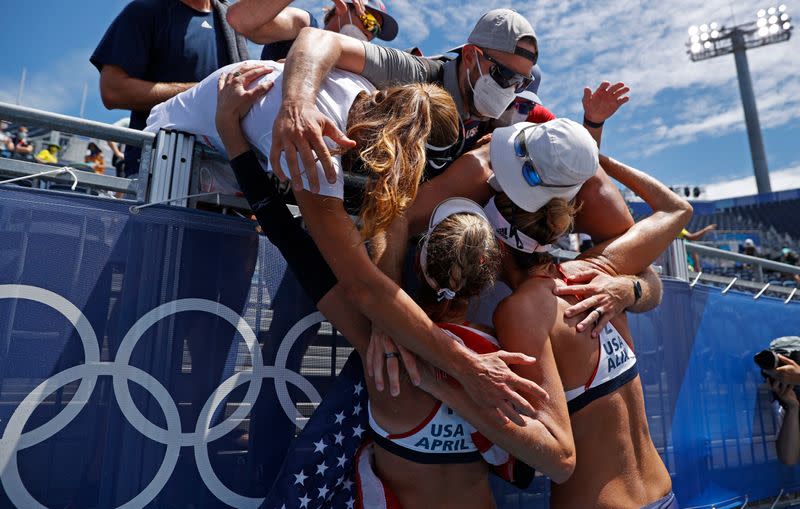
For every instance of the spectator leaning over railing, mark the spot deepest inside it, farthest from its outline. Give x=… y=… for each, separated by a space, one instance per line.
x=22 y=147
x=496 y=63
x=156 y=49
x=276 y=26
x=6 y=143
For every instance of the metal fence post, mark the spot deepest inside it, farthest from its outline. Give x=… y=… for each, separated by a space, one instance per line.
x=677 y=265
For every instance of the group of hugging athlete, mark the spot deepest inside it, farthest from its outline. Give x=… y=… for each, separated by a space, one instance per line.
x=573 y=407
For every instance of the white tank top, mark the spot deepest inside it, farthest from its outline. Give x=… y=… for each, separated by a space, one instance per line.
x=193 y=111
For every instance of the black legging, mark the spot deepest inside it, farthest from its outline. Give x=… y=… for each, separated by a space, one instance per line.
x=281 y=228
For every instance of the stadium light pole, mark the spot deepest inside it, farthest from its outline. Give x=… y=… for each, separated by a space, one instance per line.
x=710 y=40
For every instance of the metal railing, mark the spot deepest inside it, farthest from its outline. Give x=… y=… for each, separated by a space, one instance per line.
x=755 y=261
x=758 y=266
x=58 y=122
x=165 y=172
x=83 y=127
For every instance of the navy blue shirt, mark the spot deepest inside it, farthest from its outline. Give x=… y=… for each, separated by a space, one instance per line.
x=161 y=41
x=278 y=50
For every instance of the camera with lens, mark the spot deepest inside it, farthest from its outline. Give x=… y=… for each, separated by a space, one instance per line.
x=788 y=346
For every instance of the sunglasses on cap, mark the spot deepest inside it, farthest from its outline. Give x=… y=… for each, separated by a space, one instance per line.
x=529 y=172
x=370 y=23
x=505 y=77
x=439 y=157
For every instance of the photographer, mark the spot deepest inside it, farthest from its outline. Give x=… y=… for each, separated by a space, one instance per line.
x=788 y=442
x=782 y=379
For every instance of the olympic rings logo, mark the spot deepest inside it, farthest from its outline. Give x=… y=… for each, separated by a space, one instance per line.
x=14 y=440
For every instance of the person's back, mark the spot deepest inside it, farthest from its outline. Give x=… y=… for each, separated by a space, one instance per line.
x=617 y=465
x=439 y=482
x=611 y=433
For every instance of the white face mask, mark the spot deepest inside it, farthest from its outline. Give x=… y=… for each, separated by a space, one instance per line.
x=490 y=99
x=350 y=30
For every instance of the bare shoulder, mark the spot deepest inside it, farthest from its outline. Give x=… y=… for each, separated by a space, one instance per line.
x=528 y=315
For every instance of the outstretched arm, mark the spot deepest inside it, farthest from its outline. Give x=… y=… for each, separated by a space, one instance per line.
x=600 y=105
x=265 y=22
x=299 y=126
x=633 y=251
x=699 y=234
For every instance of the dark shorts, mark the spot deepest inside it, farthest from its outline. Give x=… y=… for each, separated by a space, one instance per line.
x=667 y=502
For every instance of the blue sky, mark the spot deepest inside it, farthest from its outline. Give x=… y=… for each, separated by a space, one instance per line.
x=684 y=123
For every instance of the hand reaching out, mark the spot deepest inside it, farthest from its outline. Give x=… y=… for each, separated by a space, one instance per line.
x=599 y=105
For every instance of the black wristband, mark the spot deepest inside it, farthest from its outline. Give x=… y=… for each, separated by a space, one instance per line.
x=593 y=125
x=637 y=291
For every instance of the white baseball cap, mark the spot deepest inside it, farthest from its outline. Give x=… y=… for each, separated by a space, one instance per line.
x=563 y=157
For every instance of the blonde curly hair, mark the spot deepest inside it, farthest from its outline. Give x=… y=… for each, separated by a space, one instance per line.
x=391 y=128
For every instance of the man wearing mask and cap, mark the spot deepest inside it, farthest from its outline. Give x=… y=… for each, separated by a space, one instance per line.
x=276 y=26
x=483 y=80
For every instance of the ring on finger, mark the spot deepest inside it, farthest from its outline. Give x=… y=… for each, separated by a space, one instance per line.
x=236 y=74
x=391 y=355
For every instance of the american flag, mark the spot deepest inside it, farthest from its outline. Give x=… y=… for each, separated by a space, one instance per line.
x=318 y=470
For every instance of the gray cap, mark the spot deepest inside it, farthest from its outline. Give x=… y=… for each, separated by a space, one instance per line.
x=501 y=30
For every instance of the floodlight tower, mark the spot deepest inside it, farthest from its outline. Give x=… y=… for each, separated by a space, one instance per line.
x=711 y=40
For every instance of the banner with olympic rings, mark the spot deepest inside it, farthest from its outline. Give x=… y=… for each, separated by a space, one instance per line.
x=167 y=359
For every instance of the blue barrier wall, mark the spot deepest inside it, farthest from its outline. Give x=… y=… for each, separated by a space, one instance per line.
x=165 y=359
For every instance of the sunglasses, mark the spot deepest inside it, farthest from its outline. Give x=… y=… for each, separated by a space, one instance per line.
x=505 y=77
x=523 y=107
x=370 y=23
x=529 y=172
x=439 y=157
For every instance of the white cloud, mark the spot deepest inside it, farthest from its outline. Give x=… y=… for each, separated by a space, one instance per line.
x=673 y=100
x=780 y=180
x=57 y=89
x=640 y=43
